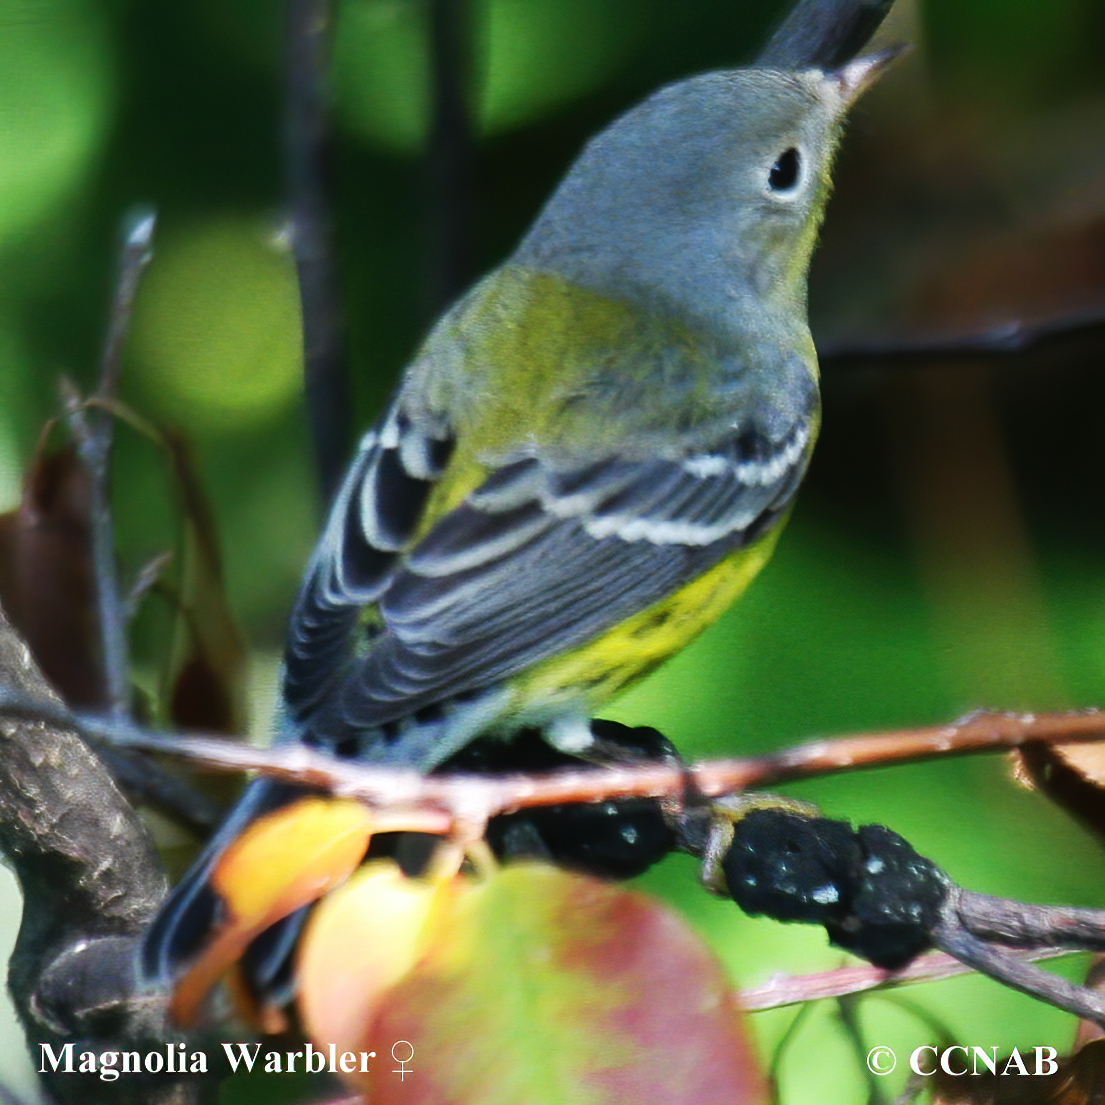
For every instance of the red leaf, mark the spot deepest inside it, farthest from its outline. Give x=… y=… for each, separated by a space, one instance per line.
x=544 y=987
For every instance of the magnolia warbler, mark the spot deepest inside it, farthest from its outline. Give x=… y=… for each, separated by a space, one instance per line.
x=588 y=459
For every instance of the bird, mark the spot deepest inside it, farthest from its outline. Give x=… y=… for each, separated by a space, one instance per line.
x=587 y=460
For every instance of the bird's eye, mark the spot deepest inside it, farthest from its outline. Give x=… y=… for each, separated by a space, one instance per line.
x=785 y=172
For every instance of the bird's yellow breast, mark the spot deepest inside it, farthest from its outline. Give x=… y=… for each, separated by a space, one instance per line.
x=588 y=677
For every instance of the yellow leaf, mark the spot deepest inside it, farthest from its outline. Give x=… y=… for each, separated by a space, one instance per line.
x=284 y=860
x=359 y=942
x=291 y=857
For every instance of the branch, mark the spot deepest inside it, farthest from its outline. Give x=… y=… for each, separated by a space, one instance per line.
x=782 y=990
x=449 y=164
x=972 y=923
x=964 y=924
x=93 y=431
x=1015 y=335
x=92 y=423
x=306 y=175
x=492 y=794
x=90 y=878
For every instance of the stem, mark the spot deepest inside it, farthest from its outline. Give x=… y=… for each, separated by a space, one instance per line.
x=307 y=184
x=93 y=431
x=449 y=168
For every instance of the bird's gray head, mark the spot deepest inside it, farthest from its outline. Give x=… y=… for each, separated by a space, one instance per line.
x=704 y=199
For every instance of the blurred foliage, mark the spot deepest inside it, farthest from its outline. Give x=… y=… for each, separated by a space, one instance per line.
x=523 y=987
x=947 y=550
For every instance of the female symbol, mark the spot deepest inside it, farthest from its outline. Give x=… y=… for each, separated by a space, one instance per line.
x=402 y=1071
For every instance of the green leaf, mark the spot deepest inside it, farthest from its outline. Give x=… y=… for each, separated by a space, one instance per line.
x=546 y=988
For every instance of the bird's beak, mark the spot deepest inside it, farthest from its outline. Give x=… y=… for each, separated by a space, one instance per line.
x=853 y=79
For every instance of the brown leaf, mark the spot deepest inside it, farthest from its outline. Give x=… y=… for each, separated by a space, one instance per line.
x=206 y=680
x=1072 y=775
x=46 y=578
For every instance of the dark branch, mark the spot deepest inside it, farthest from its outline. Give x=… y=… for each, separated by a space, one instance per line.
x=449 y=167
x=307 y=180
x=1013 y=336
x=1018 y=974
x=90 y=878
x=1019 y=926
x=92 y=424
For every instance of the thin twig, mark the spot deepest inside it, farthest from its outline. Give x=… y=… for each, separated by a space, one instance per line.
x=980 y=731
x=135 y=255
x=92 y=423
x=307 y=183
x=1015 y=335
x=847 y=1010
x=782 y=990
x=1018 y=926
x=1017 y=973
x=92 y=430
x=129 y=767
x=488 y=795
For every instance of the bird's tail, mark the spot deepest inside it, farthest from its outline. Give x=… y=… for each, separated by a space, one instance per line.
x=192 y=910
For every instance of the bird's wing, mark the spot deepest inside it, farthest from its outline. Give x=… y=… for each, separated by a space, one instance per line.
x=373 y=518
x=542 y=557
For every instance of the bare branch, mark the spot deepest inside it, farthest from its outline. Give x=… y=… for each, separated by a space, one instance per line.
x=980 y=731
x=92 y=430
x=307 y=176
x=449 y=164
x=794 y=989
x=1018 y=974
x=386 y=786
x=1015 y=335
x=1018 y=926
x=90 y=878
x=134 y=256
x=968 y=924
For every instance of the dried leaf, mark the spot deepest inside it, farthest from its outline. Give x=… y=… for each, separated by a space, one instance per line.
x=206 y=680
x=46 y=579
x=1072 y=775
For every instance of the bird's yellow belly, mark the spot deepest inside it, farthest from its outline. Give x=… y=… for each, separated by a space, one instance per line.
x=591 y=675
